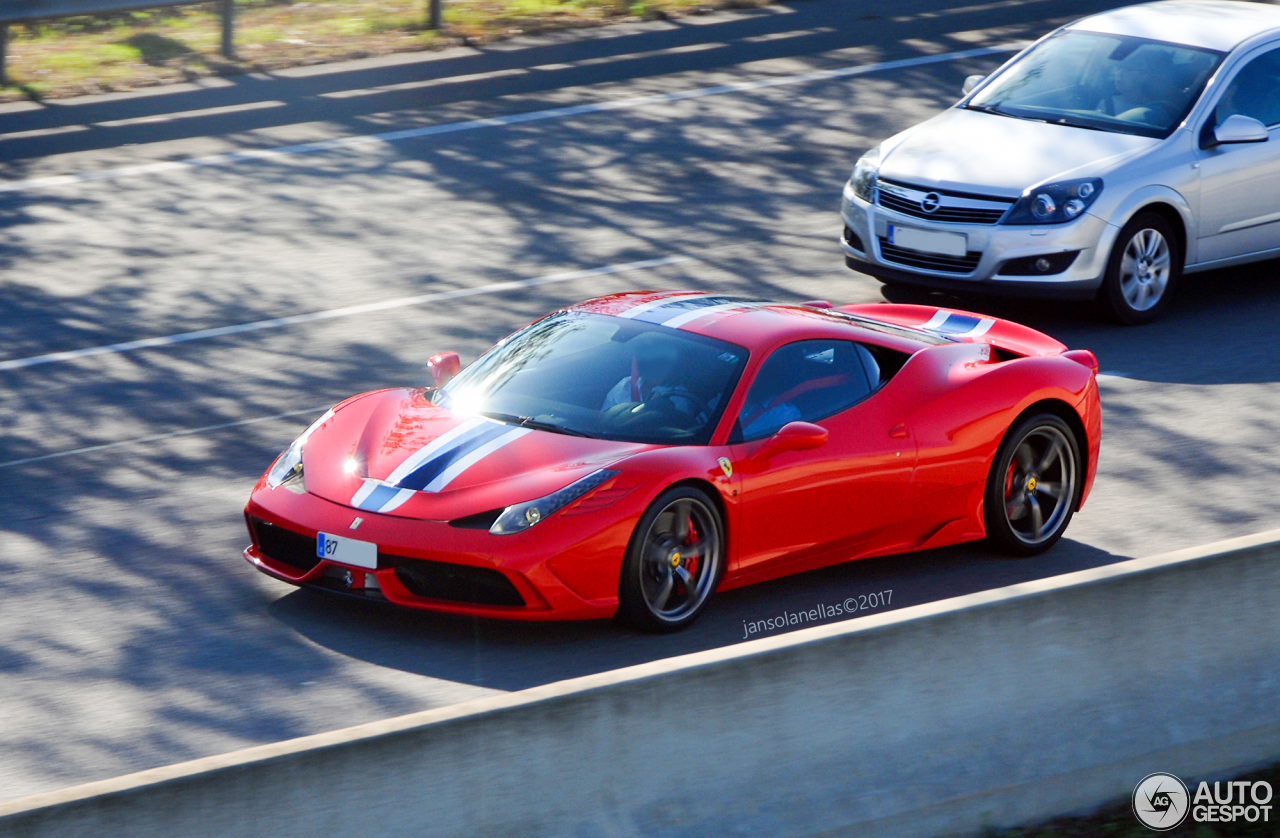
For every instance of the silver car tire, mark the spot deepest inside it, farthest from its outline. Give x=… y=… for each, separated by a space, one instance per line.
x=1144 y=268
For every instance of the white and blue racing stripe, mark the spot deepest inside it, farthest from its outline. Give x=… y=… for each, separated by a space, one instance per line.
x=958 y=325
x=377 y=496
x=689 y=316
x=463 y=461
x=459 y=436
x=674 y=313
x=437 y=464
x=637 y=310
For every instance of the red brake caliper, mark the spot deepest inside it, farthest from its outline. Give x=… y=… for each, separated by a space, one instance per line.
x=1008 y=480
x=692 y=538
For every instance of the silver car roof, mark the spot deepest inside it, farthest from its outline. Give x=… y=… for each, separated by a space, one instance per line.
x=1211 y=24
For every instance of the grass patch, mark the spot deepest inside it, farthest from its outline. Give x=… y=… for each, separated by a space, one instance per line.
x=92 y=54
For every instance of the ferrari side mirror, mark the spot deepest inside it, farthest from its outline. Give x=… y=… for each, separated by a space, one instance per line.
x=793 y=436
x=971 y=82
x=443 y=366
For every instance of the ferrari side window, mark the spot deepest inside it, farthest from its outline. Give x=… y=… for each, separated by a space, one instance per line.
x=805 y=381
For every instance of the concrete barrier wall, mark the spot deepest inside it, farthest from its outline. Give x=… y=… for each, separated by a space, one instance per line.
x=998 y=708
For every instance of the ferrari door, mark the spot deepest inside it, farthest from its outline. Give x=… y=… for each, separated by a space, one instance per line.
x=798 y=505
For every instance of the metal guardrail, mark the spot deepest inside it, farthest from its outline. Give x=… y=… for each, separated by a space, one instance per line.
x=993 y=709
x=23 y=11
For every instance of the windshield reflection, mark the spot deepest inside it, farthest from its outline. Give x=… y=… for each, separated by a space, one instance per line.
x=605 y=377
x=1103 y=82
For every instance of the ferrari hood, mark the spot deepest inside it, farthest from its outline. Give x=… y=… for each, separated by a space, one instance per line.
x=395 y=453
x=972 y=151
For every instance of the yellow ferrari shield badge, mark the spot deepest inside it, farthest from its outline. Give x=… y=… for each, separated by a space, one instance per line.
x=726 y=467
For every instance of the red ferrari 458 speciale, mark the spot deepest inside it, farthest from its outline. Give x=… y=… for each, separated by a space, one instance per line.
x=629 y=455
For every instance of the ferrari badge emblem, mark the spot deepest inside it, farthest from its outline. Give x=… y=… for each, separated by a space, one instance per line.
x=356 y=523
x=726 y=467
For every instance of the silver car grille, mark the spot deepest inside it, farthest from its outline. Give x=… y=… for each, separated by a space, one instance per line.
x=940 y=205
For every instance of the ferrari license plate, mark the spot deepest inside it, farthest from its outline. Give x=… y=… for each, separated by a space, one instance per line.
x=335 y=548
x=929 y=241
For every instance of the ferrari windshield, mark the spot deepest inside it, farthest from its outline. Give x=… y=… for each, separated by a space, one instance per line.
x=600 y=376
x=1111 y=83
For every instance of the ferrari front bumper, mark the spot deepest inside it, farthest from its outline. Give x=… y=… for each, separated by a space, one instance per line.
x=547 y=573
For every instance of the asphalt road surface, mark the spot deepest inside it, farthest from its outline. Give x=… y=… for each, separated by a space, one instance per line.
x=133 y=635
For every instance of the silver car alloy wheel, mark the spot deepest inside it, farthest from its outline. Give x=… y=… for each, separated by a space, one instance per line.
x=1144 y=269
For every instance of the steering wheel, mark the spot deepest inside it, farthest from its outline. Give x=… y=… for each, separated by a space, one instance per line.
x=656 y=414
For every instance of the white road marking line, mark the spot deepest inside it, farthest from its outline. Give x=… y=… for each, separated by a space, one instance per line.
x=416 y=85
x=170 y=117
x=312 y=411
x=494 y=122
x=330 y=314
x=43 y=132
x=783 y=36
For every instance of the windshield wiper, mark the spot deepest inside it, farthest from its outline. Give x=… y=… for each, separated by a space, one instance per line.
x=1071 y=124
x=530 y=422
x=992 y=109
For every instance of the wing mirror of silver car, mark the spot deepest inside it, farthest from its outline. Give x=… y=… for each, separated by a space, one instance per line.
x=1238 y=128
x=971 y=82
x=443 y=366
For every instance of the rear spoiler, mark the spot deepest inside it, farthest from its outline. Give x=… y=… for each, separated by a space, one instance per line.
x=963 y=326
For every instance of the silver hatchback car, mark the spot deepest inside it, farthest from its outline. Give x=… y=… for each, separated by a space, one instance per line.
x=1104 y=160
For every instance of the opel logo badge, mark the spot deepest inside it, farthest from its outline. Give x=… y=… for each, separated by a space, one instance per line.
x=931 y=202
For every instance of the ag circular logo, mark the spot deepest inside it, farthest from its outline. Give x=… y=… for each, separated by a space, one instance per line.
x=1161 y=802
x=931 y=202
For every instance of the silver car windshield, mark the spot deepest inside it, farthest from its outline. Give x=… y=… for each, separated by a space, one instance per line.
x=1102 y=82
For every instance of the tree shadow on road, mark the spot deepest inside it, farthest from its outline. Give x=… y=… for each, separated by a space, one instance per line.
x=515 y=656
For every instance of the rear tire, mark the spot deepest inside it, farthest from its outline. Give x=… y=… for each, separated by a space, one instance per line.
x=674 y=562
x=1143 y=271
x=1034 y=486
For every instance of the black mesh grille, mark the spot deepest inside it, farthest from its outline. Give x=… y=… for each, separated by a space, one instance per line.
x=284 y=546
x=954 y=215
x=929 y=261
x=452 y=582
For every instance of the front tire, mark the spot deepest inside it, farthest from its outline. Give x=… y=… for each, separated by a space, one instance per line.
x=1033 y=487
x=1144 y=268
x=674 y=562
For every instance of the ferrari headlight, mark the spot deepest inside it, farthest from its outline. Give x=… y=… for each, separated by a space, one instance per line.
x=1055 y=203
x=521 y=516
x=289 y=464
x=865 y=174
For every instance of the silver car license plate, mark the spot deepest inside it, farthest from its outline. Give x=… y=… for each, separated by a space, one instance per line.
x=929 y=241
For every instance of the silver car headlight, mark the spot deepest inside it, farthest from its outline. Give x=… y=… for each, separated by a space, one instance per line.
x=865 y=174
x=519 y=517
x=1055 y=203
x=288 y=465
